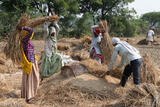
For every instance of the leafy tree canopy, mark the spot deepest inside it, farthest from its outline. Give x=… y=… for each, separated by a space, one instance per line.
x=152 y=18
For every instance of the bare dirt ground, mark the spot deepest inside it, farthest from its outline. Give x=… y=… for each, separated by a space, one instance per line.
x=83 y=91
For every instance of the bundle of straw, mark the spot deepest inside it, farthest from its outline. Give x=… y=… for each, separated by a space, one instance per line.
x=35 y=22
x=12 y=48
x=94 y=67
x=106 y=45
x=149 y=73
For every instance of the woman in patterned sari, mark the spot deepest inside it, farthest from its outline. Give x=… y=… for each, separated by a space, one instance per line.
x=30 y=78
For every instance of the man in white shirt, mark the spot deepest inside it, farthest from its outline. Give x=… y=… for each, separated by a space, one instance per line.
x=130 y=56
x=150 y=36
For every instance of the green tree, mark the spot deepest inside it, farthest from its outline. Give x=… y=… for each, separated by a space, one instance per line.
x=103 y=8
x=10 y=13
x=114 y=11
x=152 y=18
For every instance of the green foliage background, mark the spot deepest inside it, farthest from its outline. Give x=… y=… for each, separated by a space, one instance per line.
x=77 y=16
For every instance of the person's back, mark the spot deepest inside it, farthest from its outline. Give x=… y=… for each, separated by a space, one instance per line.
x=125 y=53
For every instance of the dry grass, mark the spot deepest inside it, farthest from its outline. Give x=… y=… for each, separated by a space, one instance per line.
x=66 y=95
x=148 y=72
x=63 y=47
x=144 y=96
x=94 y=67
x=80 y=55
x=35 y=22
x=106 y=45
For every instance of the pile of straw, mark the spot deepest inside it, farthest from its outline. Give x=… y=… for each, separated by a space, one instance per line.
x=63 y=47
x=106 y=45
x=2 y=61
x=144 y=96
x=80 y=55
x=86 y=42
x=12 y=48
x=142 y=42
x=149 y=73
x=94 y=67
x=67 y=95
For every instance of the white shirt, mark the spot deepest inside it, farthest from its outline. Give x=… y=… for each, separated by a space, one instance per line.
x=126 y=56
x=95 y=40
x=150 y=35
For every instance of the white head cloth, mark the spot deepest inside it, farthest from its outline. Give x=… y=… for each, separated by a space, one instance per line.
x=115 y=40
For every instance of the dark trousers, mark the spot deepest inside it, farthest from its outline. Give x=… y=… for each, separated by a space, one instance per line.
x=134 y=67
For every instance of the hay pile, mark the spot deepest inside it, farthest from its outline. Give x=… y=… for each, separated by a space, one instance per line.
x=94 y=67
x=106 y=45
x=66 y=95
x=63 y=47
x=12 y=48
x=78 y=49
x=142 y=42
x=148 y=72
x=81 y=50
x=80 y=55
x=86 y=42
x=146 y=95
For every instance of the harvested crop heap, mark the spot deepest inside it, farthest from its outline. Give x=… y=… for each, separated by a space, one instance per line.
x=146 y=95
x=94 y=67
x=77 y=49
x=149 y=73
x=144 y=42
x=106 y=45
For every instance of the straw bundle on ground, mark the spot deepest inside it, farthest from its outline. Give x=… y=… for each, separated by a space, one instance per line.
x=12 y=48
x=142 y=42
x=63 y=47
x=86 y=42
x=144 y=96
x=149 y=73
x=94 y=67
x=2 y=61
x=80 y=55
x=106 y=45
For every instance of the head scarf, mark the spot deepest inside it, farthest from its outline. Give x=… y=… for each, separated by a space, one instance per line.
x=115 y=40
x=97 y=31
x=153 y=28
